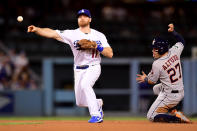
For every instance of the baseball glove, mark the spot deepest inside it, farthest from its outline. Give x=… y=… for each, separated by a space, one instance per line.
x=86 y=44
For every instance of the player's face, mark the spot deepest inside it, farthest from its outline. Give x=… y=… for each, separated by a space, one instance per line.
x=156 y=55
x=83 y=21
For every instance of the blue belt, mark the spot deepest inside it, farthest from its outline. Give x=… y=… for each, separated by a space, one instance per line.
x=82 y=67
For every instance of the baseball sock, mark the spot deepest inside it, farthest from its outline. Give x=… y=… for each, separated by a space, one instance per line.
x=99 y=102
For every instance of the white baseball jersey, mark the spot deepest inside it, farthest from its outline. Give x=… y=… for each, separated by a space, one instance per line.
x=83 y=57
x=168 y=69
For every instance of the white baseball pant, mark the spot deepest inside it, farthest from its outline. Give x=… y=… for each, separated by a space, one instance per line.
x=84 y=93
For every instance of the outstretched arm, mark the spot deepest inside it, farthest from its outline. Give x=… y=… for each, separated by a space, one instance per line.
x=44 y=32
x=178 y=37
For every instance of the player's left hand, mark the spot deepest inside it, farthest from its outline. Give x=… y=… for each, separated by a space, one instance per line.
x=87 y=44
x=140 y=78
x=171 y=27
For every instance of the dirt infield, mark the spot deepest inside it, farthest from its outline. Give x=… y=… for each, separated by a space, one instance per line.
x=108 y=125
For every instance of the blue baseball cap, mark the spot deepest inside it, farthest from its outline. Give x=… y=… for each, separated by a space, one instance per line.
x=85 y=12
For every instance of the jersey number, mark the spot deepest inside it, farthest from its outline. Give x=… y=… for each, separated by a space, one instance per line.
x=94 y=53
x=173 y=72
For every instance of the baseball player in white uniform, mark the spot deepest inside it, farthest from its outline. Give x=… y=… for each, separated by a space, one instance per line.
x=167 y=69
x=87 y=67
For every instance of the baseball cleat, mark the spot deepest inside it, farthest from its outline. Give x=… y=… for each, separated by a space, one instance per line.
x=180 y=115
x=95 y=119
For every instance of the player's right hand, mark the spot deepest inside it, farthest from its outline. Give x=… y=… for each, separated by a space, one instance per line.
x=141 y=78
x=31 y=28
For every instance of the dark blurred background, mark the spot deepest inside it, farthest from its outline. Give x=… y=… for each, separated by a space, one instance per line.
x=129 y=25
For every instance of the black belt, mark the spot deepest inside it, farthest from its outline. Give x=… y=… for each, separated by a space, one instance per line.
x=82 y=67
x=175 y=91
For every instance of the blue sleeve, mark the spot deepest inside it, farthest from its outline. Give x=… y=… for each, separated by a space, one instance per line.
x=178 y=37
x=145 y=85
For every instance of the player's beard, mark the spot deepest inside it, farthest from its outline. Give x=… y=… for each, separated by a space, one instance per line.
x=83 y=24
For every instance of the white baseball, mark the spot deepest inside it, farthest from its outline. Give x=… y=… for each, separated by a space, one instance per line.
x=19 y=18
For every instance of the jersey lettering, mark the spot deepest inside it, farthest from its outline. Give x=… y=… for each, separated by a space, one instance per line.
x=75 y=43
x=98 y=42
x=170 y=61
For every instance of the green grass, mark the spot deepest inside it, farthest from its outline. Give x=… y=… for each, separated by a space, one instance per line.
x=15 y=119
x=69 y=118
x=20 y=123
x=76 y=118
x=43 y=118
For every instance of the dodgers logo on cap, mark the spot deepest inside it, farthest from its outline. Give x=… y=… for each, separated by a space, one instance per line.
x=85 y=12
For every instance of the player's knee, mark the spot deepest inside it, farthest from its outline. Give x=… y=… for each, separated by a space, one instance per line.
x=84 y=87
x=79 y=104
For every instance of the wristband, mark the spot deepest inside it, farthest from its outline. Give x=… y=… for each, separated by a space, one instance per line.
x=100 y=48
x=146 y=79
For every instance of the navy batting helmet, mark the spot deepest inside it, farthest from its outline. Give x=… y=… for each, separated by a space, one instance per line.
x=161 y=45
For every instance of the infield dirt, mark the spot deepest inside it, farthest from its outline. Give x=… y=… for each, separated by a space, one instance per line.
x=108 y=125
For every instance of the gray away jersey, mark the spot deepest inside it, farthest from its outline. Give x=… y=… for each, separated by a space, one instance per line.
x=168 y=69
